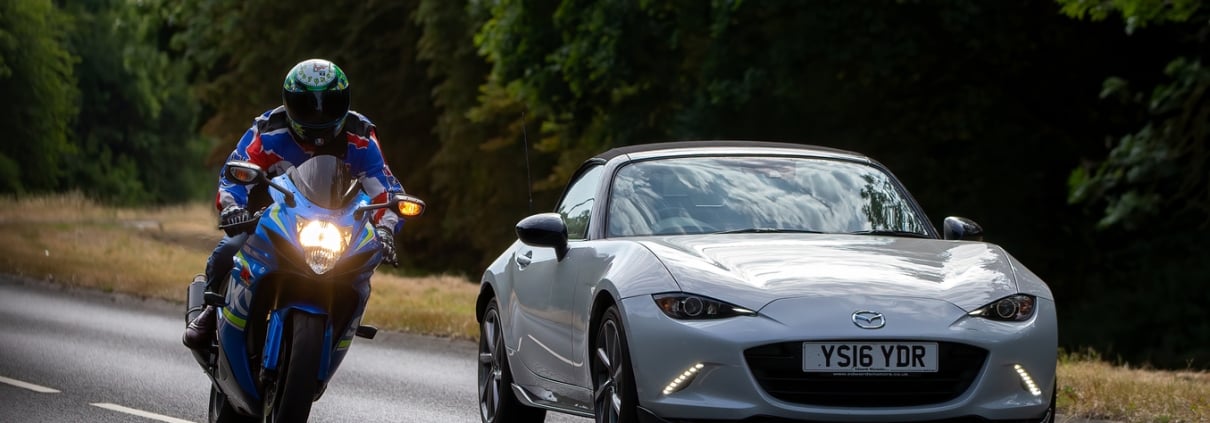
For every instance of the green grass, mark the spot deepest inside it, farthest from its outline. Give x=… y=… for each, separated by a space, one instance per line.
x=155 y=252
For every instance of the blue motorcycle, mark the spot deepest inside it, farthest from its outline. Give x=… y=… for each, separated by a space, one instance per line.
x=294 y=300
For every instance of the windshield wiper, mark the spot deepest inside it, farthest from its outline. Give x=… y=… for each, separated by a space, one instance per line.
x=891 y=233
x=768 y=231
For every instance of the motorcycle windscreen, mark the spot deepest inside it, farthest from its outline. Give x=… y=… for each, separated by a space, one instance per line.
x=324 y=181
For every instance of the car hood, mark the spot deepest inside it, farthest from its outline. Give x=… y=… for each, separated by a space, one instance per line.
x=752 y=270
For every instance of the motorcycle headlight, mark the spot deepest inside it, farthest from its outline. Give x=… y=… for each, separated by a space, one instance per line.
x=322 y=244
x=696 y=307
x=1013 y=308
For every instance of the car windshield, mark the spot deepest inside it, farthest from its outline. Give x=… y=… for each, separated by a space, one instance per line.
x=323 y=180
x=758 y=195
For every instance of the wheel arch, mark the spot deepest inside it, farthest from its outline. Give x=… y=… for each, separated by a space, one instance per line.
x=603 y=301
x=486 y=293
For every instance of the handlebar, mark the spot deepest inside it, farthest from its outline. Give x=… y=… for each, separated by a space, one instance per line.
x=244 y=226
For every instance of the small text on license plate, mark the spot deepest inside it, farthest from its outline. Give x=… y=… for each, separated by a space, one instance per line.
x=869 y=357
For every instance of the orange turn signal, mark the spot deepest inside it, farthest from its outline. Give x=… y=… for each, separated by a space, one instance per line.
x=410 y=209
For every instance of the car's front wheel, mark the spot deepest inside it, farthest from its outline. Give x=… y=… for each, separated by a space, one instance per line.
x=497 y=402
x=614 y=395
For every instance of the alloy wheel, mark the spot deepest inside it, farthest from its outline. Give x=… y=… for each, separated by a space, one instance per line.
x=608 y=365
x=491 y=373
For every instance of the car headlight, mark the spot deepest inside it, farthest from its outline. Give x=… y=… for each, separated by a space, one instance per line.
x=679 y=305
x=322 y=244
x=1013 y=308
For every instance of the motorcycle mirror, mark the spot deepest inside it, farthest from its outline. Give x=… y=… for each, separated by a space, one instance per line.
x=243 y=173
x=408 y=206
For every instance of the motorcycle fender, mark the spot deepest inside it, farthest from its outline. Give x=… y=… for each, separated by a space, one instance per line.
x=275 y=336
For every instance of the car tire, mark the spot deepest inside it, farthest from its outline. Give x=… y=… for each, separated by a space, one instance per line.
x=614 y=396
x=497 y=402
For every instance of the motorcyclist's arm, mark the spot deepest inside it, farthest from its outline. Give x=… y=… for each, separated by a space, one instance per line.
x=377 y=181
x=250 y=149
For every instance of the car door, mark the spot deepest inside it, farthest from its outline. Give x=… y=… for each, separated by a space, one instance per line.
x=545 y=286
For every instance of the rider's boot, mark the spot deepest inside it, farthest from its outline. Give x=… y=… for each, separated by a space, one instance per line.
x=200 y=332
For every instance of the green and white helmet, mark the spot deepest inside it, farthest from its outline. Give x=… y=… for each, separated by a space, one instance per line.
x=316 y=96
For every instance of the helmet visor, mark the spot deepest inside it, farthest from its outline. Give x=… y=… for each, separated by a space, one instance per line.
x=317 y=109
x=314 y=133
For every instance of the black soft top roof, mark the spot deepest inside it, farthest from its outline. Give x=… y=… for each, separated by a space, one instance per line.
x=640 y=148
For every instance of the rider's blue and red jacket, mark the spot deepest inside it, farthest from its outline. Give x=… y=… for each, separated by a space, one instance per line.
x=270 y=145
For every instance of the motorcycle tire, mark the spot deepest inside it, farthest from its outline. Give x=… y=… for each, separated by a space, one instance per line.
x=289 y=398
x=222 y=412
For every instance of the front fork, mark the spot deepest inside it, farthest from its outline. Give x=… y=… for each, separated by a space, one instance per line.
x=275 y=339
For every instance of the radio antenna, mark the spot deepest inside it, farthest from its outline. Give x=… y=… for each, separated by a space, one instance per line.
x=529 y=183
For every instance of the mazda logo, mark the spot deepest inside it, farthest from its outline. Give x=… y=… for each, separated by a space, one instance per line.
x=868 y=319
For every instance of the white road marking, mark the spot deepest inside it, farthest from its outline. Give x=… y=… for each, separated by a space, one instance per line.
x=29 y=386
x=140 y=413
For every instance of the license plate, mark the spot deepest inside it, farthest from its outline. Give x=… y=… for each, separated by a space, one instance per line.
x=869 y=357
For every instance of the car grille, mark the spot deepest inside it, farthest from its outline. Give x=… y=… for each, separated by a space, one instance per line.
x=778 y=369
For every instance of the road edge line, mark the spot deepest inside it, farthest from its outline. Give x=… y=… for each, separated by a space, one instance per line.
x=26 y=385
x=137 y=412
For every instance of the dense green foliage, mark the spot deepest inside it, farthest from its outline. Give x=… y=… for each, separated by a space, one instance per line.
x=1162 y=167
x=38 y=81
x=1074 y=131
x=1154 y=187
x=96 y=104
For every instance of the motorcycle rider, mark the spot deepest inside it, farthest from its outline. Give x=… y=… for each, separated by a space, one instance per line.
x=314 y=119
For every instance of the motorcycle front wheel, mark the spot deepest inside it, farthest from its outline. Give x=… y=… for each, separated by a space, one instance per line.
x=289 y=398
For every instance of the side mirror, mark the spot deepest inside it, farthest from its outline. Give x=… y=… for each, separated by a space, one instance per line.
x=248 y=173
x=961 y=228
x=243 y=173
x=407 y=206
x=544 y=230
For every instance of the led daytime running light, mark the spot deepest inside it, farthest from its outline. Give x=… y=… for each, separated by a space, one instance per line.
x=1027 y=381
x=683 y=380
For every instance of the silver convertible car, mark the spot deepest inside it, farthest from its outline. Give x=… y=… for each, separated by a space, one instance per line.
x=758 y=282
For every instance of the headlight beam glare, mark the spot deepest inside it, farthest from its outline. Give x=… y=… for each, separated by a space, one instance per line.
x=322 y=244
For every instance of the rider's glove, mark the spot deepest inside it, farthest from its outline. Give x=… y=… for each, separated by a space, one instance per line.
x=231 y=218
x=387 y=237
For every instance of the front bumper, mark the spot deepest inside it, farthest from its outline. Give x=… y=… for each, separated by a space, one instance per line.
x=724 y=388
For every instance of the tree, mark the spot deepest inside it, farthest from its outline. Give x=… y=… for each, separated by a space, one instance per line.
x=1149 y=190
x=135 y=134
x=1164 y=166
x=479 y=170
x=38 y=81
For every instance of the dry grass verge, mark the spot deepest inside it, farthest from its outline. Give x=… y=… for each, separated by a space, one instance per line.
x=155 y=252
x=1093 y=388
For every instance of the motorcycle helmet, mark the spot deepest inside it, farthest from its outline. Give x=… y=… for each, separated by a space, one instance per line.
x=316 y=96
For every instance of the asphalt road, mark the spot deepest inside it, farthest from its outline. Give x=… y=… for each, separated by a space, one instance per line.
x=109 y=358
x=70 y=355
